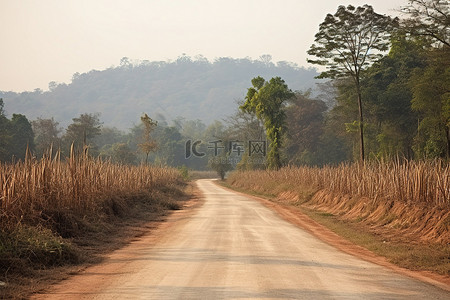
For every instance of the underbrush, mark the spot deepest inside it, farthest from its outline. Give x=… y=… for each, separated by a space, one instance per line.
x=34 y=246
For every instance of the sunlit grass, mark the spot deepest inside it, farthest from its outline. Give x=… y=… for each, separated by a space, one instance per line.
x=399 y=210
x=78 y=184
x=408 y=181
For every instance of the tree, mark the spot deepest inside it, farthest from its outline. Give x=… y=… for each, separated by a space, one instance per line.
x=16 y=136
x=122 y=153
x=170 y=146
x=148 y=144
x=428 y=23
x=387 y=93
x=266 y=99
x=222 y=160
x=5 y=137
x=266 y=59
x=429 y=18
x=46 y=134
x=245 y=126
x=348 y=42
x=22 y=136
x=193 y=129
x=2 y=107
x=83 y=130
x=110 y=136
x=305 y=117
x=431 y=99
x=221 y=164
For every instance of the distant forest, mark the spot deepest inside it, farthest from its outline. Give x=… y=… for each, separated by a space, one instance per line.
x=199 y=114
x=189 y=88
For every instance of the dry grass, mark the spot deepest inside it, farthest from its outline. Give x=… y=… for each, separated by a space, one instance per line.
x=409 y=182
x=59 y=212
x=400 y=210
x=79 y=184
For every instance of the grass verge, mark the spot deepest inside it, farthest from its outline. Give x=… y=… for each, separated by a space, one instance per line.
x=413 y=256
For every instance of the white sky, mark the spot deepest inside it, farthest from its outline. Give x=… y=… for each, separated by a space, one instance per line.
x=50 y=40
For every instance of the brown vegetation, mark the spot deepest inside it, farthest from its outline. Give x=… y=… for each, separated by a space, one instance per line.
x=426 y=182
x=405 y=202
x=81 y=185
x=56 y=212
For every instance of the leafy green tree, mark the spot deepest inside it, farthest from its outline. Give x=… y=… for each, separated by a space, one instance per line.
x=347 y=43
x=266 y=99
x=22 y=136
x=110 y=136
x=147 y=144
x=16 y=136
x=122 y=153
x=428 y=18
x=46 y=135
x=431 y=99
x=334 y=144
x=245 y=126
x=337 y=142
x=5 y=136
x=193 y=129
x=215 y=146
x=215 y=130
x=305 y=117
x=428 y=22
x=82 y=131
x=221 y=164
x=170 y=147
x=387 y=93
x=2 y=107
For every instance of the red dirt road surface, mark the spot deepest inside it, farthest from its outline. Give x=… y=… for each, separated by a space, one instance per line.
x=233 y=247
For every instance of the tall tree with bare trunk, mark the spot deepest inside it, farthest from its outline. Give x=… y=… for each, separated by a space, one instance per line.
x=347 y=43
x=148 y=144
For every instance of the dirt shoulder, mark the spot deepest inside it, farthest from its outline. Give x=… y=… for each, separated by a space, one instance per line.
x=95 y=244
x=304 y=219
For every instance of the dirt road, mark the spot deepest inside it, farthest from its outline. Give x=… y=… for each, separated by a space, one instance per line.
x=232 y=247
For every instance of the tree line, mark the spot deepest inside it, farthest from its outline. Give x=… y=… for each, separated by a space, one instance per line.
x=376 y=106
x=158 y=142
x=402 y=98
x=192 y=87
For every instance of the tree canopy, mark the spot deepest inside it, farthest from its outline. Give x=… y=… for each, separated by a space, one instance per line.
x=428 y=18
x=148 y=144
x=266 y=99
x=347 y=43
x=82 y=131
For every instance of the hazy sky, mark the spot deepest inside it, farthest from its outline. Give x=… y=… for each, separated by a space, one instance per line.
x=50 y=40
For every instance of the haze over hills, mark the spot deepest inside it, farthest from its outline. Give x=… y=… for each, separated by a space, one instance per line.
x=187 y=88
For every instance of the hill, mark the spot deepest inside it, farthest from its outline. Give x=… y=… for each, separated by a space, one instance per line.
x=187 y=88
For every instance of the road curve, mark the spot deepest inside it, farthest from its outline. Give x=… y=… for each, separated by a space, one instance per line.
x=232 y=247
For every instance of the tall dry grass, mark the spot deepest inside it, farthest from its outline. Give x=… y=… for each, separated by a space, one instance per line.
x=408 y=181
x=79 y=184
